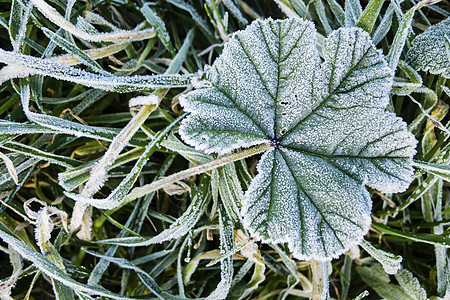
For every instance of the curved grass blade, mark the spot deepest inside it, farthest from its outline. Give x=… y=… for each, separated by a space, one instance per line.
x=118 y=36
x=121 y=84
x=180 y=227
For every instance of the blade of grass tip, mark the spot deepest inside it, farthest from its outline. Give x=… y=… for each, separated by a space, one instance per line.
x=235 y=11
x=122 y=84
x=179 y=59
x=4 y=23
x=338 y=12
x=5 y=178
x=10 y=166
x=99 y=171
x=202 y=24
x=320 y=10
x=286 y=8
x=403 y=88
x=402 y=33
x=440 y=170
x=369 y=16
x=18 y=23
x=385 y=25
x=391 y=263
x=93 y=18
x=156 y=22
x=415 y=237
x=115 y=37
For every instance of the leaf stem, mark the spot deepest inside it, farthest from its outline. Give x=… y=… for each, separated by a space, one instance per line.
x=146 y=189
x=317 y=281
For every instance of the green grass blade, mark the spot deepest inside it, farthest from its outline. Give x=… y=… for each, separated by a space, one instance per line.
x=177 y=229
x=201 y=22
x=369 y=16
x=338 y=12
x=415 y=237
x=156 y=22
x=42 y=155
x=122 y=84
x=440 y=170
x=74 y=50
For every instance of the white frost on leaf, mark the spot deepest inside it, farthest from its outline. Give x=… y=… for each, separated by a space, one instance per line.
x=327 y=123
x=45 y=219
x=430 y=50
x=7 y=285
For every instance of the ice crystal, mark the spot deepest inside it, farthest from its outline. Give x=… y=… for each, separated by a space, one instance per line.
x=326 y=121
x=430 y=50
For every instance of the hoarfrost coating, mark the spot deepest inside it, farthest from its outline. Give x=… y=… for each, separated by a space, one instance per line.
x=326 y=121
x=430 y=50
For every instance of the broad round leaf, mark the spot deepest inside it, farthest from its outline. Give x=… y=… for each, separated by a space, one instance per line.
x=327 y=123
x=430 y=50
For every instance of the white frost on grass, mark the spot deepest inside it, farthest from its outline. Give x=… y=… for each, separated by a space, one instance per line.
x=118 y=36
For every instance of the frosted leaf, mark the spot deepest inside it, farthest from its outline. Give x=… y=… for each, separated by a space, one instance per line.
x=391 y=263
x=430 y=50
x=409 y=287
x=327 y=124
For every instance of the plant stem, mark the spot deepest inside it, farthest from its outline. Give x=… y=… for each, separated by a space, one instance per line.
x=146 y=189
x=318 y=280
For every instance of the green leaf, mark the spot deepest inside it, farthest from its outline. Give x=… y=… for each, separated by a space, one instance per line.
x=391 y=263
x=402 y=33
x=326 y=122
x=429 y=52
x=409 y=288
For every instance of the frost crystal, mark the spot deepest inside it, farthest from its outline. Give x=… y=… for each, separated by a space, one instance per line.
x=326 y=121
x=430 y=50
